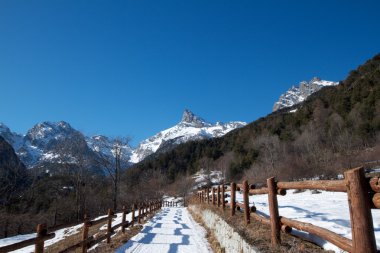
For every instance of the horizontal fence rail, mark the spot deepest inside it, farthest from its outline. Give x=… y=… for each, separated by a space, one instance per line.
x=143 y=210
x=362 y=193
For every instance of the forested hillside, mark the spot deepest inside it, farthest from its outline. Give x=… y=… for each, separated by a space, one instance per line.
x=333 y=130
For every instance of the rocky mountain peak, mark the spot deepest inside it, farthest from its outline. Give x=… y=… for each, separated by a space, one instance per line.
x=297 y=94
x=47 y=130
x=189 y=118
x=191 y=127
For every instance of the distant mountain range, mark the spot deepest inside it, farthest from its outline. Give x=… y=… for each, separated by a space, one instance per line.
x=298 y=94
x=59 y=142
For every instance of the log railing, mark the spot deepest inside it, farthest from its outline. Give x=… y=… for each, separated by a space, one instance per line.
x=172 y=203
x=362 y=193
x=88 y=241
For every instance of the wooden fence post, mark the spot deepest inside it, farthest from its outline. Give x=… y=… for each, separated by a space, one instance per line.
x=86 y=226
x=208 y=195
x=213 y=196
x=41 y=232
x=109 y=225
x=218 y=195
x=273 y=210
x=363 y=236
x=246 y=202
x=233 y=198
x=223 y=198
x=133 y=215
x=139 y=217
x=123 y=218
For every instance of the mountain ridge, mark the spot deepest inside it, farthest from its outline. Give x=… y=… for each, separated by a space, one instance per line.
x=298 y=94
x=59 y=142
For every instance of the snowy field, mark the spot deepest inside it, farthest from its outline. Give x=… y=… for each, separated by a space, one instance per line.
x=171 y=230
x=328 y=210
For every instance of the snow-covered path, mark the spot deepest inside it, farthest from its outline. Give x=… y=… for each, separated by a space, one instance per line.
x=169 y=231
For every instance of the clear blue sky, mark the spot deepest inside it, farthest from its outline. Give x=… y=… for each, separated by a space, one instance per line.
x=131 y=67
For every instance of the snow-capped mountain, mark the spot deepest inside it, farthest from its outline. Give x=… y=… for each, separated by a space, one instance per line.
x=58 y=142
x=191 y=127
x=298 y=94
x=54 y=142
x=105 y=147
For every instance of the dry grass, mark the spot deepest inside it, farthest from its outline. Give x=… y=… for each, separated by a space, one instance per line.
x=258 y=234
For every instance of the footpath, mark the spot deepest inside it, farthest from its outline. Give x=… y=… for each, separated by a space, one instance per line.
x=172 y=230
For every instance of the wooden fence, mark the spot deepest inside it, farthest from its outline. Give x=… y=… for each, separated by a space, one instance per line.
x=88 y=241
x=173 y=203
x=362 y=193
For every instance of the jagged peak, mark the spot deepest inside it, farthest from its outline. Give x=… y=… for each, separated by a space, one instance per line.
x=62 y=124
x=189 y=118
x=297 y=94
x=315 y=79
x=49 y=129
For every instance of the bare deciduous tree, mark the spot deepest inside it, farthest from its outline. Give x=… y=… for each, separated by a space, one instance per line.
x=112 y=159
x=270 y=151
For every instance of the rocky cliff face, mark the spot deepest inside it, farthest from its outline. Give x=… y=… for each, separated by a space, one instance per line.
x=298 y=94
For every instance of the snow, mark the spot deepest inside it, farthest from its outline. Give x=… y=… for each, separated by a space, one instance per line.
x=105 y=146
x=35 y=146
x=181 y=133
x=328 y=210
x=202 y=178
x=226 y=235
x=60 y=234
x=170 y=230
x=300 y=93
